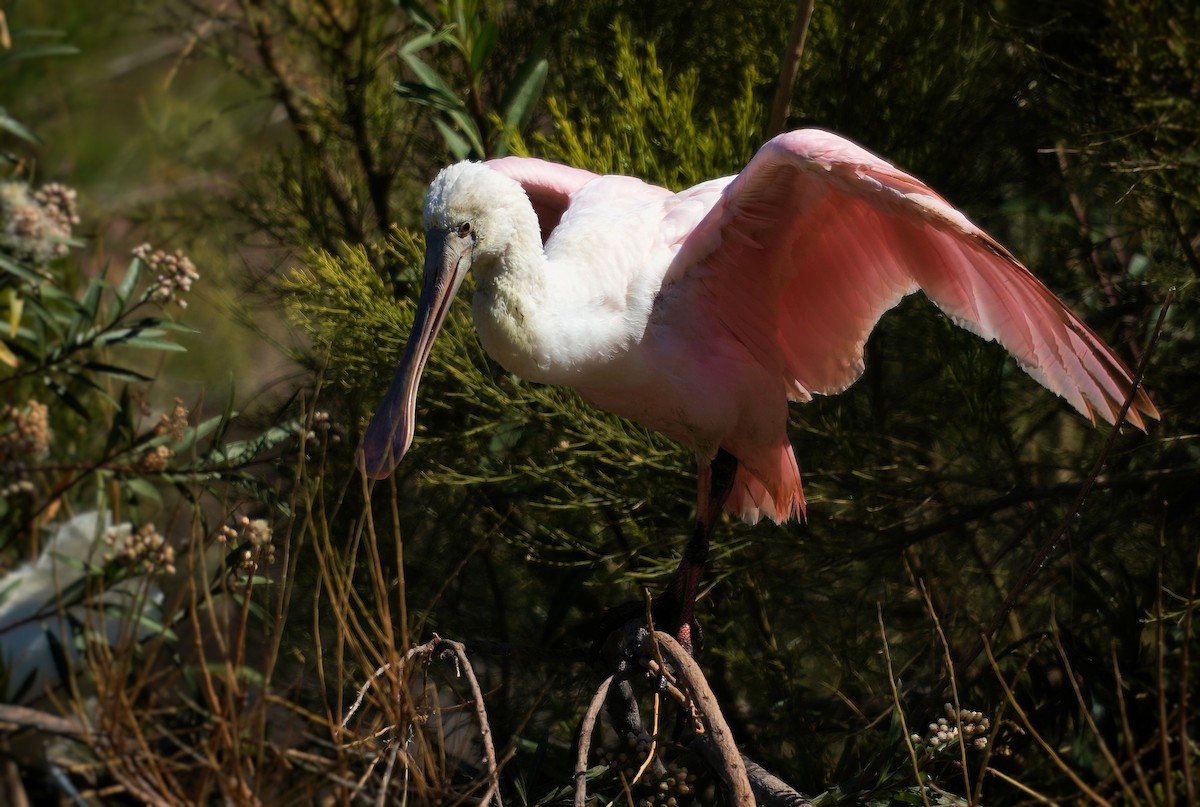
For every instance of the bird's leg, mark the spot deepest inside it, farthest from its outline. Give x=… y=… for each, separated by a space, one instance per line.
x=677 y=606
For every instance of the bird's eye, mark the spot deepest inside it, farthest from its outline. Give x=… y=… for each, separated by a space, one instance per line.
x=464 y=229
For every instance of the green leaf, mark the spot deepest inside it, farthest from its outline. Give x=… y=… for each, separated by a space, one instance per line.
x=150 y=626
x=20 y=270
x=196 y=433
x=177 y=327
x=121 y=430
x=66 y=397
x=144 y=343
x=522 y=95
x=429 y=79
x=83 y=378
x=240 y=452
x=139 y=489
x=458 y=145
x=426 y=96
x=485 y=43
x=128 y=283
x=246 y=674
x=43 y=51
x=15 y=127
x=419 y=14
x=423 y=41
x=145 y=337
x=89 y=306
x=122 y=373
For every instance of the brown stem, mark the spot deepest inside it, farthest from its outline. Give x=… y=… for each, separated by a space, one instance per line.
x=302 y=123
x=790 y=67
x=585 y=741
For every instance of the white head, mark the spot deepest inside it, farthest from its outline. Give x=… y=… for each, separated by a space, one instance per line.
x=471 y=200
x=474 y=217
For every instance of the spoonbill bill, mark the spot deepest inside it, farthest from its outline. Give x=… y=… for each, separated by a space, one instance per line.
x=702 y=313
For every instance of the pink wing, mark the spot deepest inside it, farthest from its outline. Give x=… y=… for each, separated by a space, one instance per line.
x=835 y=236
x=548 y=185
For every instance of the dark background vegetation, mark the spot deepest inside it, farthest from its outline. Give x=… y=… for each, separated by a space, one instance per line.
x=949 y=554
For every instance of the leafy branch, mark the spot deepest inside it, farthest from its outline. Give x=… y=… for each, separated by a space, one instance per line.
x=464 y=122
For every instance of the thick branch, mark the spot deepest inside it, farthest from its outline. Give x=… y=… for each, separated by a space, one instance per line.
x=23 y=717
x=729 y=763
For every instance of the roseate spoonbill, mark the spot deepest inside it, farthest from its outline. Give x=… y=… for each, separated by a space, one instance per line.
x=702 y=313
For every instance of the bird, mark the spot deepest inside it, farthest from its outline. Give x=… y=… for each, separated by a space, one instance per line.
x=703 y=313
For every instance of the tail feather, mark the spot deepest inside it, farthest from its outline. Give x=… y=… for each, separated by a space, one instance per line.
x=772 y=489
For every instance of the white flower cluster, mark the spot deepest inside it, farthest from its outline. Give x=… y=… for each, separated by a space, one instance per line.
x=36 y=225
x=257 y=546
x=145 y=549
x=24 y=435
x=174 y=273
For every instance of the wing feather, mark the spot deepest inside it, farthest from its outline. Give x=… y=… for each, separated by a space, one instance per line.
x=817 y=238
x=548 y=185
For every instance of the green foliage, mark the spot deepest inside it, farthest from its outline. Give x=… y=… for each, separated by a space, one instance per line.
x=649 y=124
x=341 y=305
x=461 y=120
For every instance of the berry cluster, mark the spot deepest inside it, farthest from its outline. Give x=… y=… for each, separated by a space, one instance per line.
x=675 y=788
x=974 y=728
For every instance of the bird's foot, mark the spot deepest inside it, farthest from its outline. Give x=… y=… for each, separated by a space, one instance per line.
x=688 y=632
x=628 y=622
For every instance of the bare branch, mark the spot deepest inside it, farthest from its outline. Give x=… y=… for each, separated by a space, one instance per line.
x=790 y=67
x=730 y=766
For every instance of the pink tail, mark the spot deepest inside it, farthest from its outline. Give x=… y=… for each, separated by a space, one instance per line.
x=772 y=489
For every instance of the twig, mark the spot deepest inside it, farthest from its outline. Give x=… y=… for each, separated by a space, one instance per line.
x=1093 y=251
x=381 y=799
x=652 y=751
x=456 y=650
x=912 y=752
x=1041 y=741
x=425 y=650
x=485 y=730
x=1090 y=721
x=626 y=718
x=585 y=741
x=731 y=768
x=946 y=657
x=1134 y=758
x=894 y=539
x=1160 y=662
x=294 y=104
x=1020 y=786
x=1189 y=783
x=27 y=718
x=769 y=790
x=766 y=789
